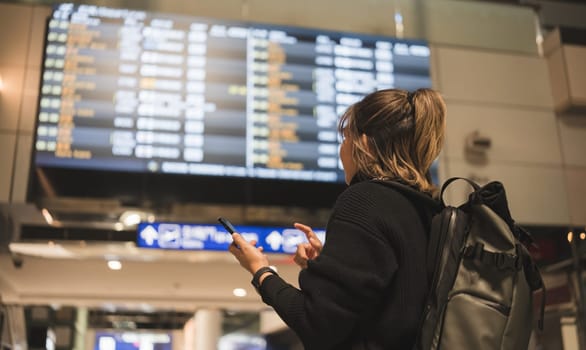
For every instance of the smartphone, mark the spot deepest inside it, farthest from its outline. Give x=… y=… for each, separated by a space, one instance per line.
x=227 y=224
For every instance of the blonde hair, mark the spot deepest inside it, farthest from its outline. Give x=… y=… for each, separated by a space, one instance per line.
x=404 y=135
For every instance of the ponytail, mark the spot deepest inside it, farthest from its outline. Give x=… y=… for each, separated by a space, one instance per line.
x=430 y=118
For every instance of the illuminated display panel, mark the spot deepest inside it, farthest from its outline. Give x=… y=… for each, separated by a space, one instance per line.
x=132 y=340
x=126 y=90
x=180 y=236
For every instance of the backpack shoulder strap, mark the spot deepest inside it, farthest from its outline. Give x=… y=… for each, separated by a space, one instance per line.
x=474 y=185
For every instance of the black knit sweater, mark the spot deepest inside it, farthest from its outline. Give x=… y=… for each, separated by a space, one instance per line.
x=366 y=289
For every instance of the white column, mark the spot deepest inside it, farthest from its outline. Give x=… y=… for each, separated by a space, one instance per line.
x=204 y=330
x=81 y=323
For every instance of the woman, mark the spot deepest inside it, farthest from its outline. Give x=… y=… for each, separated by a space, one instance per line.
x=366 y=287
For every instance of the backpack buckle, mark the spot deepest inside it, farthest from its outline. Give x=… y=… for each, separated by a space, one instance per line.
x=518 y=262
x=478 y=251
x=505 y=261
x=474 y=252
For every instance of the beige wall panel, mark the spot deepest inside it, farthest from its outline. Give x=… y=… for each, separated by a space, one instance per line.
x=7 y=144
x=558 y=79
x=14 y=33
x=576 y=66
x=10 y=95
x=225 y=9
x=21 y=168
x=37 y=36
x=498 y=78
x=442 y=167
x=576 y=184
x=479 y=24
x=434 y=66
x=537 y=195
x=517 y=135
x=276 y=12
x=573 y=139
x=30 y=95
x=376 y=16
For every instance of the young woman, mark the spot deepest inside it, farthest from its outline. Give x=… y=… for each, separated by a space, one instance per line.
x=366 y=287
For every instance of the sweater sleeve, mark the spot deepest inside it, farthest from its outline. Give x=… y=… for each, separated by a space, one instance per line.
x=341 y=288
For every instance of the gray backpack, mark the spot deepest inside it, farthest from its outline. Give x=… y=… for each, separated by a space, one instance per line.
x=482 y=276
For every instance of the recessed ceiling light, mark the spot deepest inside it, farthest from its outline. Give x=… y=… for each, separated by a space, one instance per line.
x=239 y=292
x=147 y=307
x=114 y=265
x=134 y=217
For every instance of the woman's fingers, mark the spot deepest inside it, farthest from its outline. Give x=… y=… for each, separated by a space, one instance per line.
x=238 y=241
x=316 y=244
x=234 y=248
x=311 y=236
x=301 y=257
x=302 y=251
x=248 y=255
x=306 y=229
x=253 y=243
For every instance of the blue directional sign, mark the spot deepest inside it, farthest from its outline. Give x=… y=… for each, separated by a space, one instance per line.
x=163 y=235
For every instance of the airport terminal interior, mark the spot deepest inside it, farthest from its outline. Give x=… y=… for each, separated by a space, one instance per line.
x=128 y=127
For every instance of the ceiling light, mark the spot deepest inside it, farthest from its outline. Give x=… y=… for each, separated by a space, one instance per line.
x=114 y=264
x=146 y=308
x=239 y=292
x=109 y=307
x=135 y=217
x=48 y=217
x=130 y=218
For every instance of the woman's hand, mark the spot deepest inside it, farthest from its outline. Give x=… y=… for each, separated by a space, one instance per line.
x=248 y=255
x=307 y=251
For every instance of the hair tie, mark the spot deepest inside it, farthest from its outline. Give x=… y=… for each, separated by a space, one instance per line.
x=410 y=96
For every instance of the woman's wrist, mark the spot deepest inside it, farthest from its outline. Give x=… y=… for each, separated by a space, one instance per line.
x=263 y=276
x=260 y=275
x=255 y=269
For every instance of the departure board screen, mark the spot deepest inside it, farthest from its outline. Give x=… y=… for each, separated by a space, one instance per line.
x=134 y=91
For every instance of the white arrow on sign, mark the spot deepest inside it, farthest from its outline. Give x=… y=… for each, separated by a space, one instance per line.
x=149 y=235
x=274 y=239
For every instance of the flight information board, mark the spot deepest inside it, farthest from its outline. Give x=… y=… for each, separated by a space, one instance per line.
x=150 y=92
